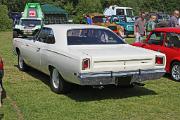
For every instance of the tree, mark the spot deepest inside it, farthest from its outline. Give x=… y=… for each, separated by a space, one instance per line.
x=5 y=22
x=87 y=6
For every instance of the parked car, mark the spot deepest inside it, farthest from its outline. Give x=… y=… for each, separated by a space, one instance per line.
x=87 y=55
x=30 y=22
x=100 y=20
x=1 y=69
x=167 y=41
x=162 y=18
x=126 y=22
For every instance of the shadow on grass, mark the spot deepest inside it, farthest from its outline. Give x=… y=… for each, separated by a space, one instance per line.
x=38 y=75
x=87 y=93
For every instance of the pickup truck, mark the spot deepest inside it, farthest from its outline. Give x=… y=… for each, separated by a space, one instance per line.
x=86 y=55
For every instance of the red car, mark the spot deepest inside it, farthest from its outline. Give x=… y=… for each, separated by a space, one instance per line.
x=167 y=41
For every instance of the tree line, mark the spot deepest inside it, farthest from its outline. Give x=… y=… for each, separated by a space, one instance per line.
x=76 y=8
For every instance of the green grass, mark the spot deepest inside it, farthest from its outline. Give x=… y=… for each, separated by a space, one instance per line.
x=30 y=92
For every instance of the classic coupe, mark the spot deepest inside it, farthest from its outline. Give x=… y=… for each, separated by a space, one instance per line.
x=87 y=55
x=167 y=41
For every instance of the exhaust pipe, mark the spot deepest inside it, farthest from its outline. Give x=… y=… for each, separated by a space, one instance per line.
x=98 y=87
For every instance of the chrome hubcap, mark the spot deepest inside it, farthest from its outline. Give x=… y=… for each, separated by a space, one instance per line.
x=20 y=61
x=55 y=78
x=176 y=72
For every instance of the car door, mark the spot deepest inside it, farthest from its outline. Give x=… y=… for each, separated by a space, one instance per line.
x=171 y=48
x=47 y=44
x=35 y=48
x=155 y=41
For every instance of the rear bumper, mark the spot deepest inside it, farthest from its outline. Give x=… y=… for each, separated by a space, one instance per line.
x=106 y=78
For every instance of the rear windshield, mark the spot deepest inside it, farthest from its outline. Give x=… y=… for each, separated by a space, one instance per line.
x=92 y=37
x=98 y=19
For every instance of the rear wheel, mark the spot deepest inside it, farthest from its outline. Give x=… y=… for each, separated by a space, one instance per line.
x=175 y=71
x=21 y=64
x=58 y=84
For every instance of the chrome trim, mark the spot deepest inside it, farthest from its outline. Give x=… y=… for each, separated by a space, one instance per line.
x=120 y=73
x=109 y=77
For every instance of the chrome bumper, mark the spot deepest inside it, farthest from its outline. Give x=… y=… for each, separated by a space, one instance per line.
x=106 y=78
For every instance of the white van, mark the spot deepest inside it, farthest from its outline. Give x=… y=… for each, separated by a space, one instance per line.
x=116 y=10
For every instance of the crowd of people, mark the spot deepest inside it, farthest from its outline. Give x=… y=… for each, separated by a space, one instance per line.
x=142 y=27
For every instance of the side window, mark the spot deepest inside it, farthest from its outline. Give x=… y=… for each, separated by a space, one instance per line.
x=172 y=40
x=156 y=38
x=42 y=35
x=46 y=35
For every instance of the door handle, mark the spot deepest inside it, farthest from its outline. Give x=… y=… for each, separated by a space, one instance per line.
x=38 y=49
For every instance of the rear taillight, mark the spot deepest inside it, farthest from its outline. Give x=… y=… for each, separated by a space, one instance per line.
x=1 y=64
x=159 y=60
x=86 y=64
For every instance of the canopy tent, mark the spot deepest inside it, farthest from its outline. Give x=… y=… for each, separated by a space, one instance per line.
x=53 y=14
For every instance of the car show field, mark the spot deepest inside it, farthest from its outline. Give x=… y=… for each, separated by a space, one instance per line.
x=28 y=96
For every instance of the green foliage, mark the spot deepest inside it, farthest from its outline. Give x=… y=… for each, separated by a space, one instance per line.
x=79 y=7
x=5 y=22
x=87 y=6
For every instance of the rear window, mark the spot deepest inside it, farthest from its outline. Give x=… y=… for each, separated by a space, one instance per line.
x=92 y=37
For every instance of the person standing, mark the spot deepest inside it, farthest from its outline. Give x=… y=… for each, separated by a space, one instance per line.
x=139 y=27
x=150 y=25
x=89 y=20
x=173 y=22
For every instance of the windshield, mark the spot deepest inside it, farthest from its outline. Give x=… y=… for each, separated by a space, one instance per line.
x=92 y=37
x=129 y=12
x=163 y=17
x=129 y=19
x=98 y=19
x=30 y=22
x=120 y=12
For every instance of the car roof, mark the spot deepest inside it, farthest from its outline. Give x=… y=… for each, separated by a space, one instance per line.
x=74 y=26
x=168 y=29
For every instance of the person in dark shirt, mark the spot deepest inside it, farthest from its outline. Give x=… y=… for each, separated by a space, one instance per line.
x=174 y=19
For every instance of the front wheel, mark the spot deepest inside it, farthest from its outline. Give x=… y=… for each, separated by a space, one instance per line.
x=175 y=71
x=58 y=84
x=21 y=64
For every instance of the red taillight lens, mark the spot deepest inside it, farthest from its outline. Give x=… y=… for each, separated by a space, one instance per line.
x=1 y=64
x=86 y=64
x=159 y=60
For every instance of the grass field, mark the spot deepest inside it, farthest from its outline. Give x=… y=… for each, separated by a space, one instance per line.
x=28 y=97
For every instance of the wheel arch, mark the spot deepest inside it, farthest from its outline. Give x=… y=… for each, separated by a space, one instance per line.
x=17 y=50
x=173 y=61
x=51 y=67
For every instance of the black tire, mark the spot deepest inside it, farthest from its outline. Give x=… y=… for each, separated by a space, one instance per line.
x=175 y=71
x=15 y=34
x=21 y=64
x=58 y=84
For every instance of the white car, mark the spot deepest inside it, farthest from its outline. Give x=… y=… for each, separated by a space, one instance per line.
x=87 y=55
